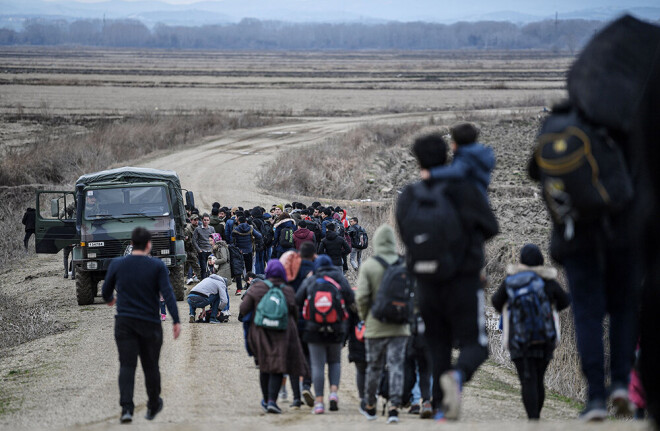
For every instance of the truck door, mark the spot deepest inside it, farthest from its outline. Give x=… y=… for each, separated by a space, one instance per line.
x=55 y=226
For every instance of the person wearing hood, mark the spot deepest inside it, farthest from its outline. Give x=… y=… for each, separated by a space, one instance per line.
x=210 y=291
x=303 y=235
x=244 y=237
x=334 y=246
x=533 y=362
x=472 y=160
x=275 y=352
x=285 y=227
x=325 y=340
x=385 y=342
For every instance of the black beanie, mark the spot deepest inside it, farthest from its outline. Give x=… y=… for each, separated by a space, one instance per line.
x=530 y=255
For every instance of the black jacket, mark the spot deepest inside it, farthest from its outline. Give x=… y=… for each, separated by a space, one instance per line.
x=478 y=220
x=29 y=219
x=335 y=247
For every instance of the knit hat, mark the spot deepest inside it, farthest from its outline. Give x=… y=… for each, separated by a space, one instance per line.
x=291 y=261
x=280 y=206
x=275 y=269
x=530 y=255
x=322 y=261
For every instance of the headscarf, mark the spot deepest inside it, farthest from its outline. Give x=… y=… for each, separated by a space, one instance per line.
x=291 y=261
x=274 y=269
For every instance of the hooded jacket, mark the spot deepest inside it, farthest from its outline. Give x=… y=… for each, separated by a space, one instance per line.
x=474 y=162
x=303 y=235
x=242 y=237
x=369 y=279
x=279 y=226
x=334 y=246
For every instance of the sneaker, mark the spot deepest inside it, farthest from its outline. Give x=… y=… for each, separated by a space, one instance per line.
x=66 y=275
x=151 y=414
x=163 y=317
x=295 y=405
x=238 y=292
x=214 y=320
x=195 y=279
x=273 y=408
x=414 y=409
x=283 y=395
x=264 y=406
x=319 y=409
x=427 y=410
x=308 y=397
x=192 y=319
x=452 y=386
x=370 y=414
x=189 y=281
x=393 y=416
x=621 y=401
x=126 y=417
x=595 y=411
x=439 y=416
x=334 y=402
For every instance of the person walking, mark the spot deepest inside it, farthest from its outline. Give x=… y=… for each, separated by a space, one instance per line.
x=139 y=281
x=202 y=244
x=29 y=221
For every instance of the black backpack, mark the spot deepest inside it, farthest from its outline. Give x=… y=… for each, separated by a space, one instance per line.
x=394 y=300
x=286 y=237
x=236 y=260
x=360 y=240
x=267 y=233
x=435 y=240
x=582 y=171
x=315 y=227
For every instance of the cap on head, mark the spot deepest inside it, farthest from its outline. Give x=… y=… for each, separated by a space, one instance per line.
x=531 y=255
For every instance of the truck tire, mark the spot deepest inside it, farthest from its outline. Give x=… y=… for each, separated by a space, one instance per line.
x=178 y=283
x=86 y=287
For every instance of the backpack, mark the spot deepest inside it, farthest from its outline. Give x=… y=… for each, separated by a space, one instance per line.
x=267 y=234
x=272 y=311
x=582 y=171
x=434 y=239
x=360 y=240
x=315 y=227
x=394 y=300
x=324 y=304
x=286 y=237
x=236 y=260
x=531 y=319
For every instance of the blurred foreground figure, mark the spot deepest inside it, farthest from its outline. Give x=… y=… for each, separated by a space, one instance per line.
x=597 y=162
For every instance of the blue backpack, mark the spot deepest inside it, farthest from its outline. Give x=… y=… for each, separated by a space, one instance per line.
x=531 y=320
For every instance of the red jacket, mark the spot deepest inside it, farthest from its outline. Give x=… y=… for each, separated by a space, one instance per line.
x=303 y=235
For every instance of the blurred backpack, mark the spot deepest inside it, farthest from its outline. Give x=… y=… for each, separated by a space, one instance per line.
x=531 y=319
x=236 y=260
x=324 y=305
x=582 y=170
x=360 y=240
x=436 y=242
x=394 y=299
x=286 y=237
x=267 y=234
x=272 y=310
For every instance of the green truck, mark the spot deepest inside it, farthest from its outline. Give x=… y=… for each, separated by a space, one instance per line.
x=97 y=219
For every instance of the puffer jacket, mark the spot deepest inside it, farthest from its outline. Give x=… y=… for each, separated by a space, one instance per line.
x=369 y=278
x=242 y=237
x=474 y=162
x=334 y=246
x=279 y=226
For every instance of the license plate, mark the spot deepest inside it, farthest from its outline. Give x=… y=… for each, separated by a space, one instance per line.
x=96 y=244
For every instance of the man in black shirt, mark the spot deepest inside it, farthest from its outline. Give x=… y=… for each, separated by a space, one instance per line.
x=139 y=281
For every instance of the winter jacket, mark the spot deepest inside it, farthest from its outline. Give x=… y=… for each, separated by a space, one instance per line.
x=303 y=235
x=274 y=351
x=216 y=222
x=279 y=226
x=557 y=296
x=479 y=222
x=324 y=225
x=353 y=232
x=29 y=219
x=188 y=233
x=473 y=162
x=334 y=246
x=236 y=260
x=213 y=285
x=306 y=267
x=311 y=334
x=369 y=278
x=357 y=351
x=242 y=237
x=229 y=228
x=222 y=260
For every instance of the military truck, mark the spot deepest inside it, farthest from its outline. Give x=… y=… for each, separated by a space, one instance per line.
x=108 y=206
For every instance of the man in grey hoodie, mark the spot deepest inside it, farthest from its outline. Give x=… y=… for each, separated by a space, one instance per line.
x=210 y=291
x=202 y=244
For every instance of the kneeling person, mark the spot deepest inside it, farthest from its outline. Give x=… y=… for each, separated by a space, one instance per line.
x=210 y=291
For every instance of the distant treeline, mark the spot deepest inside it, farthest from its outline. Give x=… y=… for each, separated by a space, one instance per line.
x=252 y=34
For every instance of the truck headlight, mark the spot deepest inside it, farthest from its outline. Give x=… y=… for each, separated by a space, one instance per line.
x=167 y=261
x=91 y=255
x=165 y=251
x=92 y=265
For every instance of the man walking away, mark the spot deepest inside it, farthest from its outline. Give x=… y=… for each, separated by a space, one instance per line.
x=303 y=235
x=244 y=237
x=211 y=291
x=29 y=220
x=444 y=224
x=359 y=241
x=334 y=246
x=385 y=342
x=139 y=281
x=202 y=245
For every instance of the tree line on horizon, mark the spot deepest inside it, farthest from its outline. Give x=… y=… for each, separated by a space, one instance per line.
x=253 y=34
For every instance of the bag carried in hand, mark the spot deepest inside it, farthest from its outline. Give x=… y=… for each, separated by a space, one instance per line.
x=286 y=237
x=435 y=240
x=531 y=319
x=582 y=170
x=394 y=300
x=324 y=304
x=272 y=311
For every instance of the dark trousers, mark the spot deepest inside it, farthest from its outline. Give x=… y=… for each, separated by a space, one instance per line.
x=66 y=252
x=531 y=372
x=454 y=315
x=247 y=258
x=270 y=385
x=135 y=338
x=360 y=377
x=604 y=282
x=418 y=360
x=26 y=238
x=203 y=258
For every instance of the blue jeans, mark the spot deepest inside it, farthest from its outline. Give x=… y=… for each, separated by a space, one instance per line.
x=259 y=262
x=197 y=301
x=604 y=282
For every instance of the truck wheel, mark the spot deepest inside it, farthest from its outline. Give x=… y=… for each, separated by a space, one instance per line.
x=86 y=286
x=177 y=281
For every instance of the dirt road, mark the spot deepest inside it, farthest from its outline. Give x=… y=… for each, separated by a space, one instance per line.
x=69 y=379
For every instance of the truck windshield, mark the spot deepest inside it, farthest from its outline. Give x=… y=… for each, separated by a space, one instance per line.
x=126 y=202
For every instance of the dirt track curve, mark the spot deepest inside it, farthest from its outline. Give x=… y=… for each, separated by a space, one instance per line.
x=70 y=379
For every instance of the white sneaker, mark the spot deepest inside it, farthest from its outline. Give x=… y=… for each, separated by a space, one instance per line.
x=190 y=280
x=283 y=394
x=195 y=279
